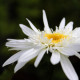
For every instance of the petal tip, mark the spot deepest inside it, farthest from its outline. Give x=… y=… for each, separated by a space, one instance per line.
x=35 y=65
x=71 y=22
x=3 y=65
x=15 y=70
x=43 y=10
x=63 y=19
x=44 y=13
x=27 y=19
x=20 y=25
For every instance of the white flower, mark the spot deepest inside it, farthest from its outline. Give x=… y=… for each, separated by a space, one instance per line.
x=62 y=43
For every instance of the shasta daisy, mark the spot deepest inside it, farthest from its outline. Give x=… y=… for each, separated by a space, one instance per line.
x=62 y=43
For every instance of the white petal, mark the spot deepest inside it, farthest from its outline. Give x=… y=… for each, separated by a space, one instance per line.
x=62 y=24
x=13 y=58
x=55 y=58
x=27 y=56
x=46 y=26
x=75 y=46
x=40 y=56
x=19 y=66
x=76 y=32
x=27 y=31
x=69 y=26
x=67 y=51
x=32 y=26
x=68 y=68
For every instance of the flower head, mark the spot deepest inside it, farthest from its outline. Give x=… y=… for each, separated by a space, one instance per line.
x=62 y=43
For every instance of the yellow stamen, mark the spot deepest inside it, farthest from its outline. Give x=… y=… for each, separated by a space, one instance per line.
x=56 y=37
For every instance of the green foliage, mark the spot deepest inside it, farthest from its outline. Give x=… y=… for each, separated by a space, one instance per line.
x=6 y=75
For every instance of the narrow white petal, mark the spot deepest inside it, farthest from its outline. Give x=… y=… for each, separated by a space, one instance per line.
x=62 y=24
x=27 y=31
x=32 y=26
x=77 y=55
x=19 y=66
x=19 y=40
x=27 y=56
x=55 y=58
x=46 y=26
x=22 y=48
x=69 y=26
x=76 y=32
x=68 y=68
x=40 y=56
x=19 y=44
x=67 y=51
x=13 y=58
x=27 y=47
x=56 y=28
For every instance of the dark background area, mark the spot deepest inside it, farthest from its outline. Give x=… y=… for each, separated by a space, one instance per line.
x=15 y=12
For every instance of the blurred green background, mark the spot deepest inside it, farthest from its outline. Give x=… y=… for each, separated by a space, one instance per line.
x=14 y=12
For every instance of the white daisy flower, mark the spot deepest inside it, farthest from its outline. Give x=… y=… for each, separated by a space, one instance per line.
x=62 y=43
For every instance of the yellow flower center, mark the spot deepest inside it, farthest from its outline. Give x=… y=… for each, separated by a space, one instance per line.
x=56 y=37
